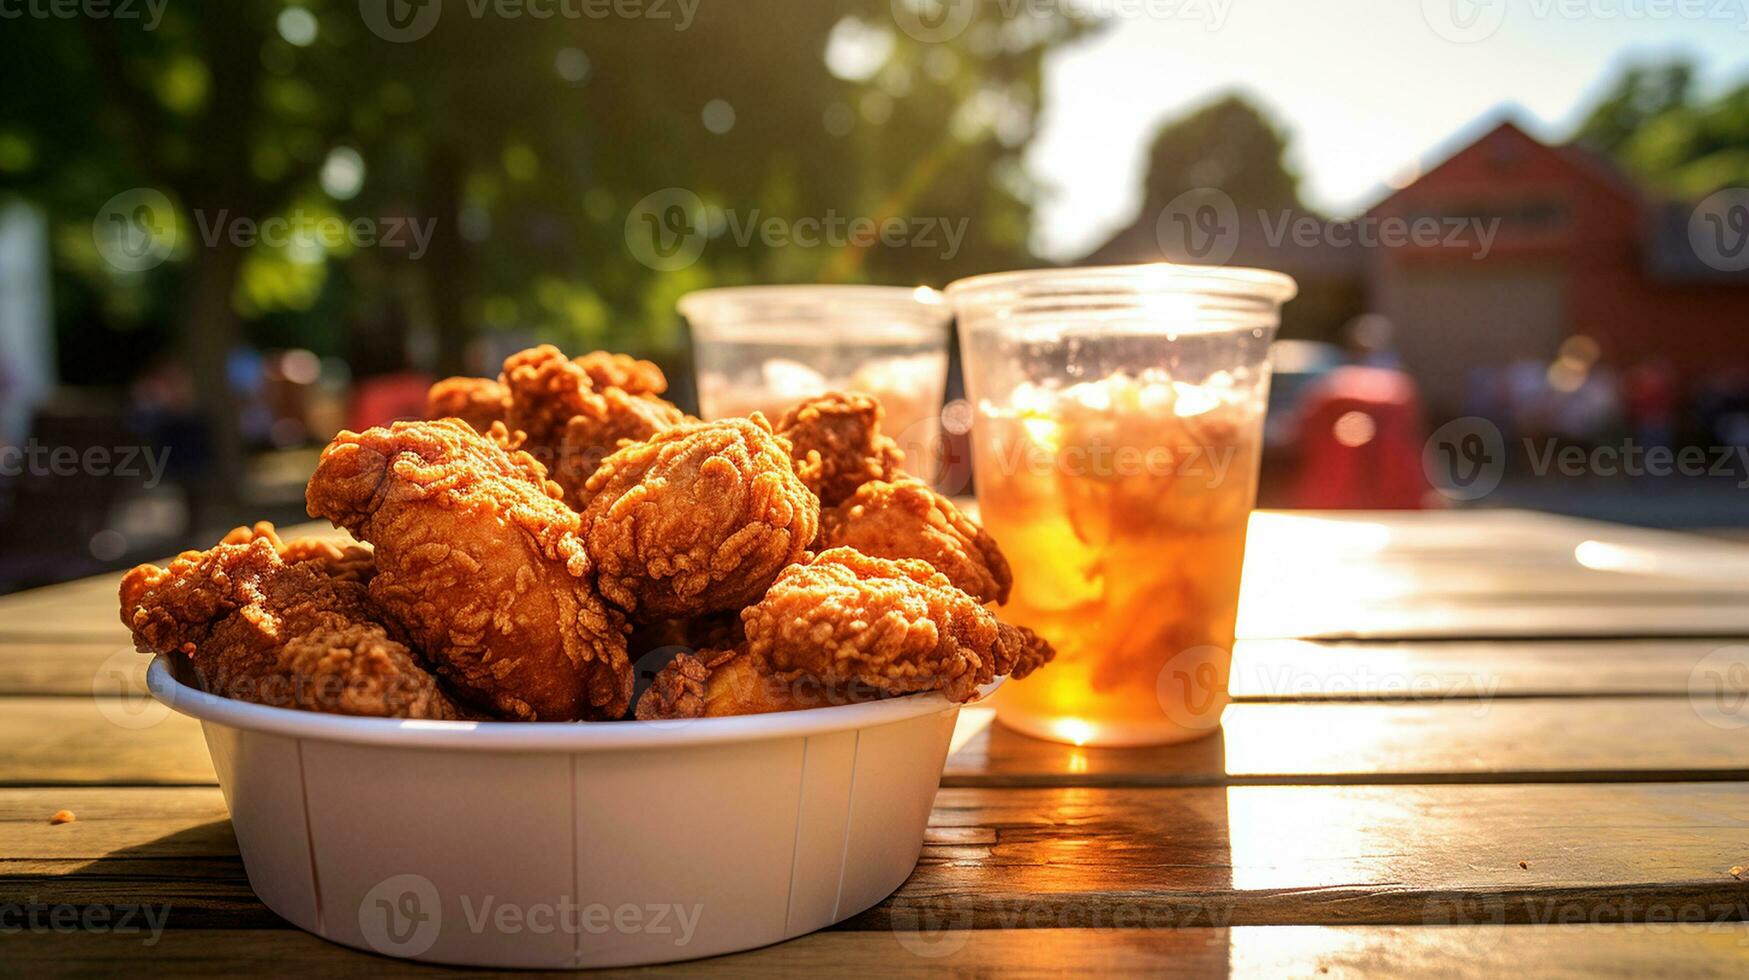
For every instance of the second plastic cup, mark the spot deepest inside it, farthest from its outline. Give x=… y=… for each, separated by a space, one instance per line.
x=767 y=347
x=1116 y=441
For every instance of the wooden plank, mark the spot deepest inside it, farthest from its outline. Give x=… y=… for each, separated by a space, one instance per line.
x=1327 y=855
x=1484 y=574
x=76 y=741
x=1100 y=858
x=1459 y=952
x=1318 y=614
x=72 y=666
x=87 y=609
x=1262 y=669
x=134 y=740
x=1306 y=670
x=1502 y=740
x=1467 y=533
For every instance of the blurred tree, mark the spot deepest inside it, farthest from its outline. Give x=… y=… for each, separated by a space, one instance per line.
x=1653 y=124
x=1641 y=94
x=524 y=136
x=1231 y=145
x=1228 y=145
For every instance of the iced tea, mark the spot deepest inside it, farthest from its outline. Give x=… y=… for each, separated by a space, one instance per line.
x=1116 y=441
x=1122 y=504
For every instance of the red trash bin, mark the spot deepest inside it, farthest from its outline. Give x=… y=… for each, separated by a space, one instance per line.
x=1361 y=435
x=387 y=397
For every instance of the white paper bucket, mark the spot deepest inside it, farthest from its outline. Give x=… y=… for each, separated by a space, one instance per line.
x=572 y=845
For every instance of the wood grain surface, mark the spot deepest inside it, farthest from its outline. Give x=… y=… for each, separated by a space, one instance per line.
x=1462 y=743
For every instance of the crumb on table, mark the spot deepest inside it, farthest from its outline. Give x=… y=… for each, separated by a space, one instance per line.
x=1525 y=865
x=62 y=816
x=1737 y=871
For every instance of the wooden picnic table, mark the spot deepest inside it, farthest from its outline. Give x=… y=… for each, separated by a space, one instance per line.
x=1468 y=742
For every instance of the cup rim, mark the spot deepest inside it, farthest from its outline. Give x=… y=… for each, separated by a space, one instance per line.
x=717 y=306
x=1108 y=282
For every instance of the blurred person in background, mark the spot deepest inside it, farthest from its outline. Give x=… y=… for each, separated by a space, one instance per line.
x=1651 y=395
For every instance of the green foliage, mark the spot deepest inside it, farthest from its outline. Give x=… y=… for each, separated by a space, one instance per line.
x=527 y=140
x=1656 y=128
x=1228 y=145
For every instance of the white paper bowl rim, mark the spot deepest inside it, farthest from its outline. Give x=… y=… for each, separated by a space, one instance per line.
x=512 y=736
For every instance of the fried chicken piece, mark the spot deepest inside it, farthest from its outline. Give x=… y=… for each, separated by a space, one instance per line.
x=588 y=440
x=908 y=519
x=480 y=562
x=477 y=401
x=569 y=422
x=696 y=519
x=898 y=626
x=837 y=444
x=260 y=628
x=719 y=683
x=624 y=372
x=349 y=561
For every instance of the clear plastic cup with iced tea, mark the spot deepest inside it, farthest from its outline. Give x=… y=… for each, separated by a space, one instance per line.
x=767 y=347
x=1116 y=438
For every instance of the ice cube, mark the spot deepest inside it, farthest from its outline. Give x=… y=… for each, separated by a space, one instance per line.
x=791 y=380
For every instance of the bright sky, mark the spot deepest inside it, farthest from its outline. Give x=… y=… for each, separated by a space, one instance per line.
x=1366 y=88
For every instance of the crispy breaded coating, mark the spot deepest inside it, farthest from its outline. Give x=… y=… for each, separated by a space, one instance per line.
x=289 y=634
x=481 y=563
x=898 y=626
x=837 y=444
x=719 y=683
x=477 y=401
x=588 y=439
x=908 y=519
x=624 y=372
x=547 y=389
x=570 y=422
x=696 y=519
x=678 y=690
x=348 y=560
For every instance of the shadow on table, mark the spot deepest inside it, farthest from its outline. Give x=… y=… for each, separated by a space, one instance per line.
x=191 y=879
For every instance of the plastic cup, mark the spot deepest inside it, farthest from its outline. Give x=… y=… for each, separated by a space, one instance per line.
x=1118 y=425
x=765 y=348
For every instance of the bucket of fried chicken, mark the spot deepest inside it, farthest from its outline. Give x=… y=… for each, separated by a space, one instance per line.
x=586 y=681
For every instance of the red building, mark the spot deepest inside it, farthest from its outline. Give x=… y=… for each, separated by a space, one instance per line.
x=1497 y=255
x=1573 y=249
